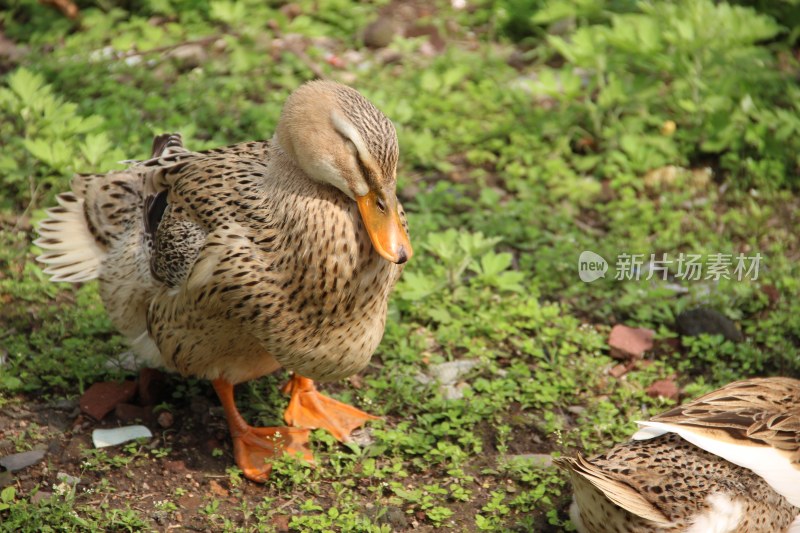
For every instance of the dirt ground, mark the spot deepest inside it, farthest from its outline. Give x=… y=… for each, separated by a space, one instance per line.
x=192 y=474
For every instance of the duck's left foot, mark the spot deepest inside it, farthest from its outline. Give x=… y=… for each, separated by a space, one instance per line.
x=310 y=409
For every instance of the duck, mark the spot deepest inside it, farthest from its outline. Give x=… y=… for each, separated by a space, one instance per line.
x=232 y=263
x=728 y=461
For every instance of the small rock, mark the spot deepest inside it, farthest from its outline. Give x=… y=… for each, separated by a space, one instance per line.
x=629 y=343
x=73 y=452
x=125 y=361
x=65 y=404
x=41 y=496
x=17 y=413
x=576 y=410
x=396 y=518
x=160 y=517
x=68 y=479
x=176 y=467
x=448 y=373
x=18 y=461
x=165 y=419
x=54 y=446
x=424 y=379
x=702 y=320
x=362 y=437
x=356 y=381
x=665 y=388
x=6 y=479
x=453 y=392
x=101 y=398
x=619 y=370
x=189 y=55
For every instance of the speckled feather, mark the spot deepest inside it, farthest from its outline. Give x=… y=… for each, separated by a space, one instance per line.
x=665 y=483
x=252 y=266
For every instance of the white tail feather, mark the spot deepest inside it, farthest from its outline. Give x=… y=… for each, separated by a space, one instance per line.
x=72 y=253
x=647 y=433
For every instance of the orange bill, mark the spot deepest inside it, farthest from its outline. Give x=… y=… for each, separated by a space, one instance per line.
x=384 y=226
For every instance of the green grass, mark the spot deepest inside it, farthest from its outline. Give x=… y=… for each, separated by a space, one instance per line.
x=623 y=127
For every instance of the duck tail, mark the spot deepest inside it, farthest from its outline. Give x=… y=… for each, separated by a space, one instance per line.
x=71 y=252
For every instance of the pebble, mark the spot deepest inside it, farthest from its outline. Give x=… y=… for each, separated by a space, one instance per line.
x=702 y=320
x=41 y=496
x=68 y=479
x=18 y=461
x=449 y=372
x=165 y=419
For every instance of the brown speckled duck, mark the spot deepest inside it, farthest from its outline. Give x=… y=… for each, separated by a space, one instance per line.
x=232 y=263
x=728 y=461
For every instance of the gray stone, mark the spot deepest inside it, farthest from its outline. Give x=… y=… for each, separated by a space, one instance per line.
x=18 y=461
x=703 y=320
x=453 y=392
x=68 y=479
x=41 y=496
x=450 y=372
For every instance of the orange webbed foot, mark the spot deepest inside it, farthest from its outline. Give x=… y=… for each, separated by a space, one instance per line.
x=258 y=446
x=255 y=447
x=309 y=408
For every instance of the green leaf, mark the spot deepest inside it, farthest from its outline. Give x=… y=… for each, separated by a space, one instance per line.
x=8 y=494
x=26 y=84
x=493 y=264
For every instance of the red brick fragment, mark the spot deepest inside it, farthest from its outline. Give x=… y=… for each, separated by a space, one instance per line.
x=101 y=398
x=665 y=388
x=281 y=522
x=176 y=467
x=630 y=343
x=619 y=370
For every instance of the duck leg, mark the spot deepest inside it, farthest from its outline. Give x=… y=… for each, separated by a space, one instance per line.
x=310 y=409
x=255 y=447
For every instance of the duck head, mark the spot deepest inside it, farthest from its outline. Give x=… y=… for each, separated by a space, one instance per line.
x=337 y=137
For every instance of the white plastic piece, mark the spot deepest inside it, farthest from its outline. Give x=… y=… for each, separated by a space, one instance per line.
x=111 y=437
